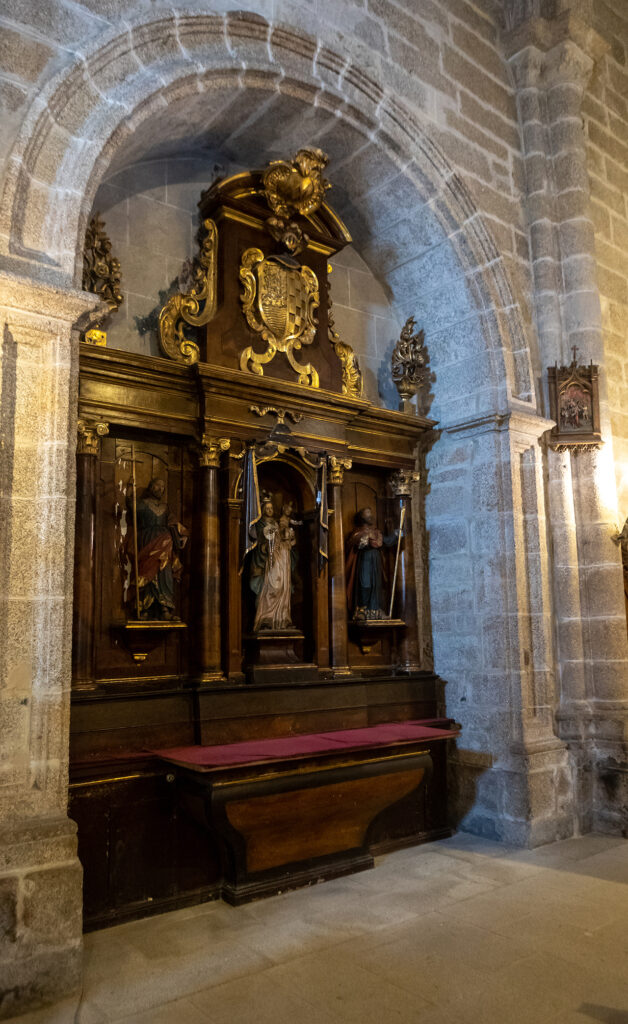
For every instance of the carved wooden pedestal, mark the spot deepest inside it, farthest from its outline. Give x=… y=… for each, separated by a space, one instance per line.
x=276 y=656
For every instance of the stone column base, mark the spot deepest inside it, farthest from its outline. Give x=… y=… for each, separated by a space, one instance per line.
x=527 y=801
x=40 y=913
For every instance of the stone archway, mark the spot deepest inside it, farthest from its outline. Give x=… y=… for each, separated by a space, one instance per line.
x=167 y=72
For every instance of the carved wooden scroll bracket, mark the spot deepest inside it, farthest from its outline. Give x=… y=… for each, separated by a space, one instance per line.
x=194 y=308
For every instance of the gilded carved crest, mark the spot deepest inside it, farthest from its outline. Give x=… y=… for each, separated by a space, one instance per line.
x=279 y=300
x=297 y=186
x=195 y=307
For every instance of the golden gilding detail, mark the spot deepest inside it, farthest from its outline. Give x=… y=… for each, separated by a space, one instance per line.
x=95 y=337
x=336 y=467
x=210 y=450
x=186 y=309
x=352 y=380
x=297 y=186
x=279 y=300
x=89 y=435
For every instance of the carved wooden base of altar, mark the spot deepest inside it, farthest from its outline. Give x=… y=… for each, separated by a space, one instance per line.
x=247 y=554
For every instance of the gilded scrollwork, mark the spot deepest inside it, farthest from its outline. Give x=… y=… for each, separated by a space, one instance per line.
x=279 y=300
x=281 y=414
x=197 y=306
x=352 y=380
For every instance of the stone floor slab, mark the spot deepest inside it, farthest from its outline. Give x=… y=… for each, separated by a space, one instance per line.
x=464 y=930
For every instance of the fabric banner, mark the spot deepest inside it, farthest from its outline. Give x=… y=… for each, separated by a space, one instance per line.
x=252 y=509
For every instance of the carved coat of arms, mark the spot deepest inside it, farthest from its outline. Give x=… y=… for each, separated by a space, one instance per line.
x=280 y=299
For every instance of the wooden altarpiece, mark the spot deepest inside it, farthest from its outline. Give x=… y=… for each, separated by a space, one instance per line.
x=254 y=379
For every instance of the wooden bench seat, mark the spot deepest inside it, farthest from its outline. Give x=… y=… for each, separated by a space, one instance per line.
x=290 y=811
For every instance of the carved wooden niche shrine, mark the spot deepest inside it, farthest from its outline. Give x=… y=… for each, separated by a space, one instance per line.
x=244 y=548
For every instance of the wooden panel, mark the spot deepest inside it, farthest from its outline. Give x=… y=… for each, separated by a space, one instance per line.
x=139 y=851
x=284 y=828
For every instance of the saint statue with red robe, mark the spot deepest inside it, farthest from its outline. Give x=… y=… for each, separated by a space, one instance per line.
x=159 y=539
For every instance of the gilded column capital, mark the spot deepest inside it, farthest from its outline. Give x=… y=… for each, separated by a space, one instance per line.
x=401 y=482
x=210 y=449
x=337 y=466
x=89 y=435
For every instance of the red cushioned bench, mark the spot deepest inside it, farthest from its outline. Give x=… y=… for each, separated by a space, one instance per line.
x=292 y=810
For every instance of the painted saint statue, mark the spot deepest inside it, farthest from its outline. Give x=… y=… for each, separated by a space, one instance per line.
x=272 y=566
x=365 y=569
x=159 y=539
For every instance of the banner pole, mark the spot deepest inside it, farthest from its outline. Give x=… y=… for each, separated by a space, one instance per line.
x=394 y=582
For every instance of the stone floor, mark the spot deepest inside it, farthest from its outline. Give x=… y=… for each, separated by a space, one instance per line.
x=463 y=930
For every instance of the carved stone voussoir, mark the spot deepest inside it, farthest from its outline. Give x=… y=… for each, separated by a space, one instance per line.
x=337 y=466
x=401 y=482
x=210 y=450
x=89 y=435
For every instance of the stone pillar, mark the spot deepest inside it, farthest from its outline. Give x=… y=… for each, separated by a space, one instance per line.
x=552 y=63
x=207 y=592
x=338 y=635
x=87 y=452
x=405 y=591
x=40 y=875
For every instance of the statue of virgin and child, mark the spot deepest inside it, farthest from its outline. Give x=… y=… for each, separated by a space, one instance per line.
x=272 y=565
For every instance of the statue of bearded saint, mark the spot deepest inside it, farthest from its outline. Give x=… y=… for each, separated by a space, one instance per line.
x=159 y=539
x=365 y=569
x=273 y=562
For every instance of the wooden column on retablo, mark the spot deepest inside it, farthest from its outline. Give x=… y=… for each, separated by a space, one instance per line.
x=208 y=655
x=231 y=588
x=405 y=591
x=339 y=640
x=88 y=449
